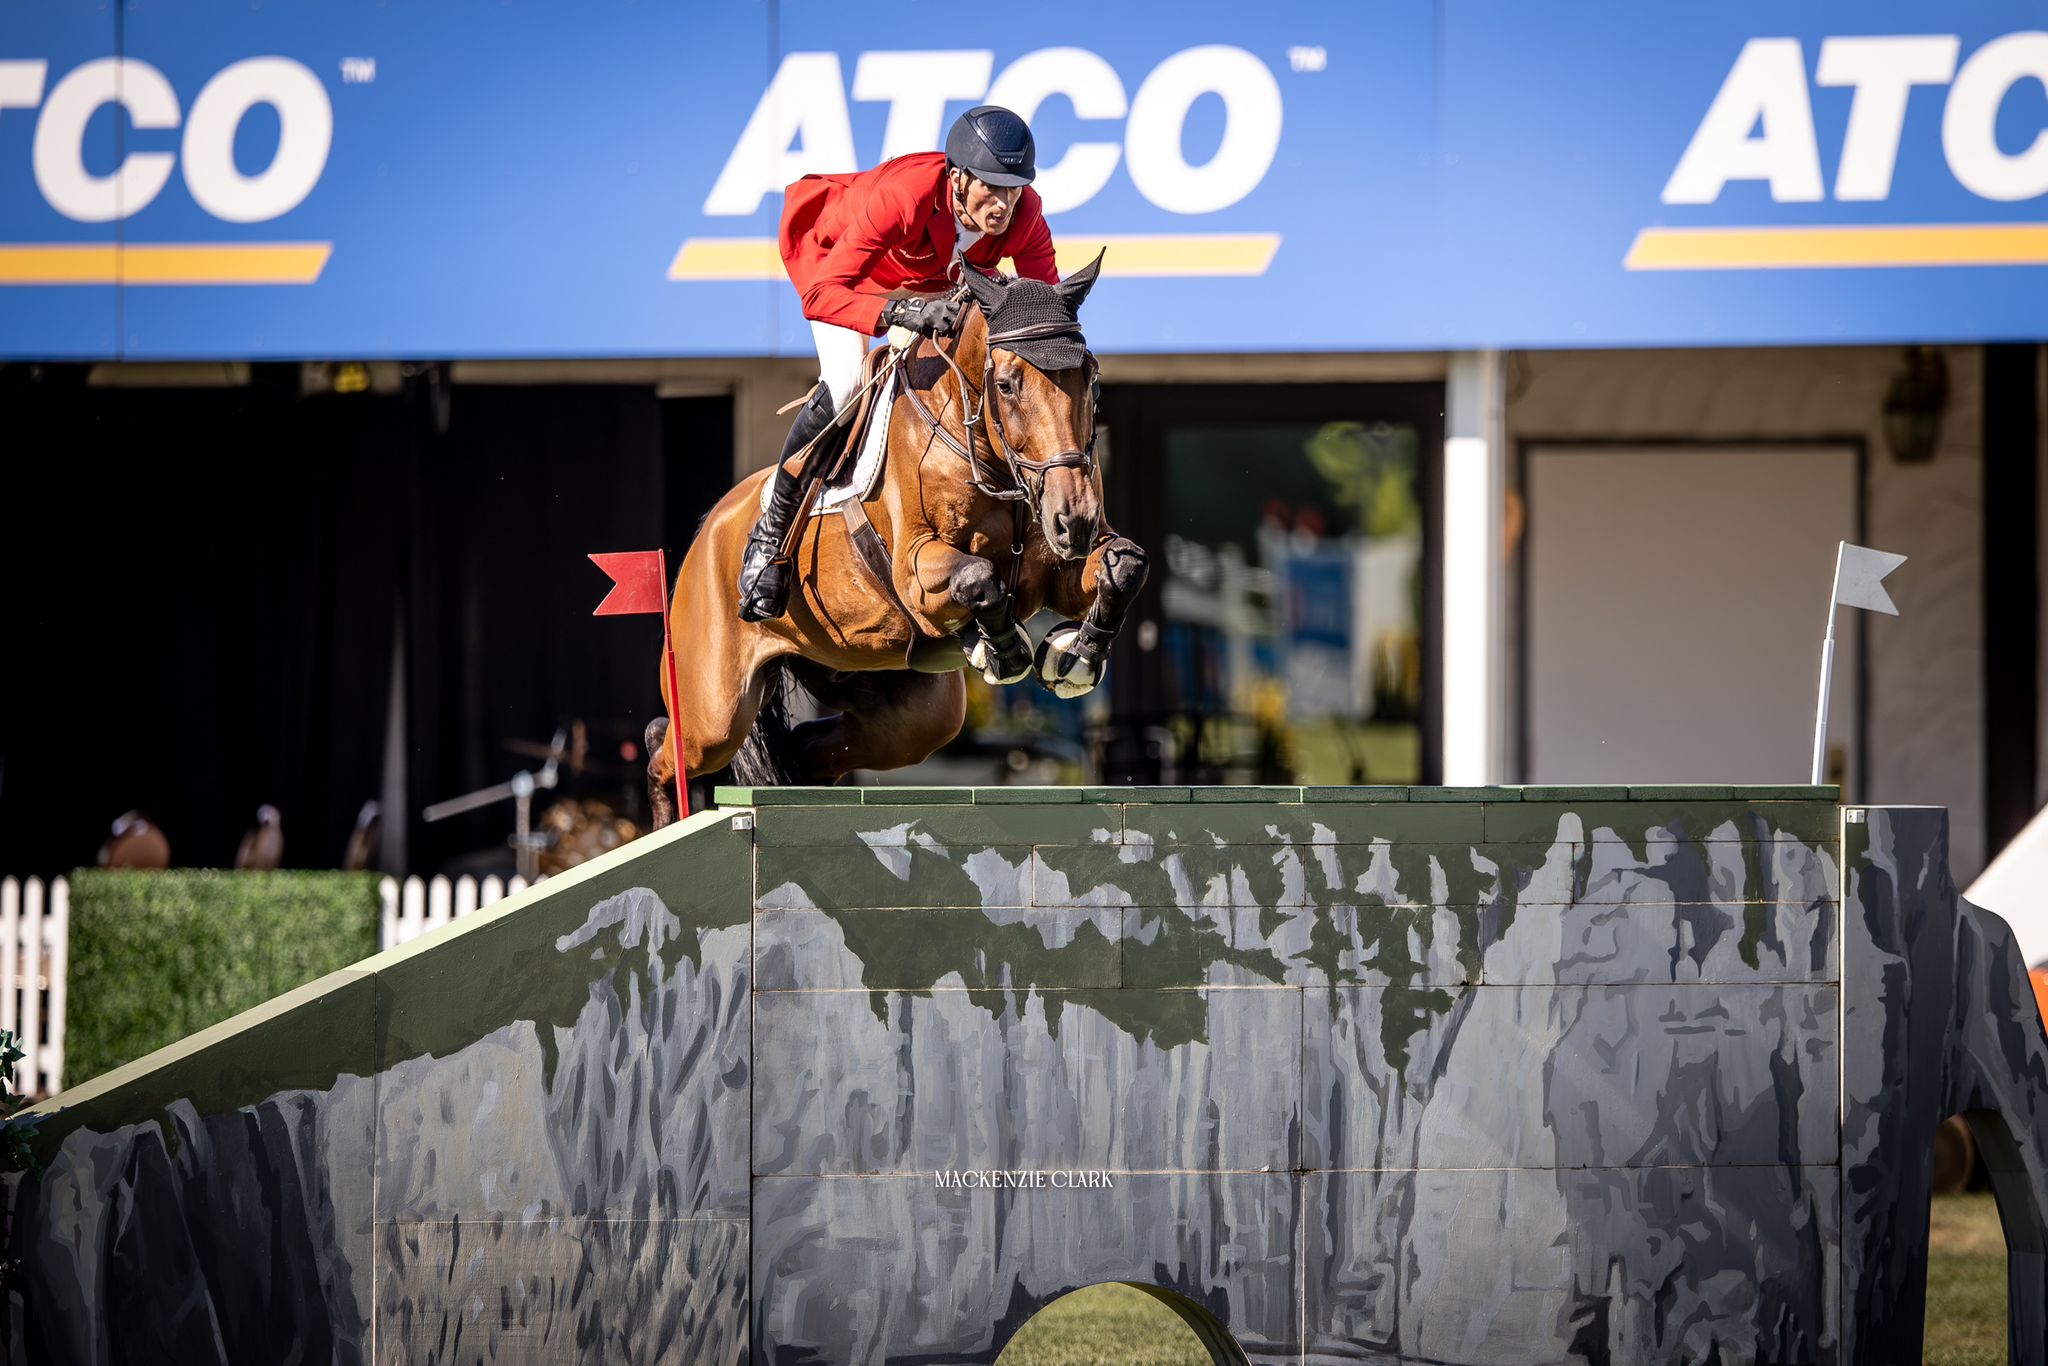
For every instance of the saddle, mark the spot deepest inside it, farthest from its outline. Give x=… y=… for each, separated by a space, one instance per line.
x=853 y=477
x=857 y=471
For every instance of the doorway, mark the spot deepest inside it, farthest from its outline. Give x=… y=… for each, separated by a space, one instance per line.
x=1675 y=597
x=1286 y=633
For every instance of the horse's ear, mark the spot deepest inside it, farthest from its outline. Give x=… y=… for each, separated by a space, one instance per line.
x=1074 y=289
x=987 y=289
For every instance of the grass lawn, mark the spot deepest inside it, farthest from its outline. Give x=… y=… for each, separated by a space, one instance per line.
x=1966 y=1283
x=1104 y=1324
x=1965 y=1308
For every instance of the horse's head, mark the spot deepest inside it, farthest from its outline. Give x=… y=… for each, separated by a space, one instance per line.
x=1039 y=396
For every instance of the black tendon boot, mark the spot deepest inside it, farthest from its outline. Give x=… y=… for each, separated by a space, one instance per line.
x=766 y=574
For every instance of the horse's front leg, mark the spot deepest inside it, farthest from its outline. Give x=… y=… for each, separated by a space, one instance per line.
x=947 y=582
x=1099 y=591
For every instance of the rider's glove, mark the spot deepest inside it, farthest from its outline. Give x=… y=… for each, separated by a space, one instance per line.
x=935 y=317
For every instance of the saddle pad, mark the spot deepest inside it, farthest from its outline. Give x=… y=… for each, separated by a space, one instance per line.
x=867 y=468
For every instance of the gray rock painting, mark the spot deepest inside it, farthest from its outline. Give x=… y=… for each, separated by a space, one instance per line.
x=1345 y=1075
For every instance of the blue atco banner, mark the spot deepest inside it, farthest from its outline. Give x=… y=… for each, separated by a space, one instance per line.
x=347 y=179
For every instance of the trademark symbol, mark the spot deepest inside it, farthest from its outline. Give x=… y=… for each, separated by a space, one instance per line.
x=1307 y=58
x=358 y=70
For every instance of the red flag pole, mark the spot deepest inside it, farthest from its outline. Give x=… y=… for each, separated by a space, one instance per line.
x=675 y=694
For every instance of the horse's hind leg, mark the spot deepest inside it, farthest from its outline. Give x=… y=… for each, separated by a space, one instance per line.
x=661 y=773
x=718 y=678
x=884 y=720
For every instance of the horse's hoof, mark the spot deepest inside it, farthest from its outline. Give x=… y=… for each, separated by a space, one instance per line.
x=1001 y=667
x=1067 y=665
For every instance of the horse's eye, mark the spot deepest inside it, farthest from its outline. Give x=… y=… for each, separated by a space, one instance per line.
x=1005 y=387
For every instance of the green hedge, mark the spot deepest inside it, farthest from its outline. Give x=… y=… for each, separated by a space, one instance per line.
x=157 y=956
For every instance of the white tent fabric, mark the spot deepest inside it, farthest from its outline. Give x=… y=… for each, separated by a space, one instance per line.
x=2015 y=887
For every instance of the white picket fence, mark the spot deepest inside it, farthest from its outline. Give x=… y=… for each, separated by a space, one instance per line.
x=35 y=940
x=421 y=905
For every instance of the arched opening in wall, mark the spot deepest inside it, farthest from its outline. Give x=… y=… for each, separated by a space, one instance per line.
x=1984 y=1239
x=1126 y=1322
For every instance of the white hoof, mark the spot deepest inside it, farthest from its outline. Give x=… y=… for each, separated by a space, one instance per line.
x=982 y=655
x=1065 y=666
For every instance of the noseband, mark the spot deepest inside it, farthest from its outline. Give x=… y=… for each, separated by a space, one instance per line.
x=1020 y=468
x=1021 y=465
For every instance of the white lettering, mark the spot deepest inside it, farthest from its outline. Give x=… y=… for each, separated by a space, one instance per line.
x=1251 y=129
x=1883 y=72
x=1969 y=125
x=981 y=1178
x=1767 y=86
x=801 y=124
x=59 y=155
x=305 y=132
x=806 y=100
x=21 y=84
x=917 y=87
x=1096 y=93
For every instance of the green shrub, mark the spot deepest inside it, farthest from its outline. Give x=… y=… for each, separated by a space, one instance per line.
x=156 y=956
x=17 y=1153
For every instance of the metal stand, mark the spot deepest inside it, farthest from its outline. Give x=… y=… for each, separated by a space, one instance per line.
x=526 y=846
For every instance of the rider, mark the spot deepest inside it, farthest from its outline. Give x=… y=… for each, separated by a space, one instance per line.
x=873 y=250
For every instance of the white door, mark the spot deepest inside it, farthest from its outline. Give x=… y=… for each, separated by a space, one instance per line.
x=1675 y=601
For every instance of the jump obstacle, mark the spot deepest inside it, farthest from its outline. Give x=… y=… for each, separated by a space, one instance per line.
x=845 y=1075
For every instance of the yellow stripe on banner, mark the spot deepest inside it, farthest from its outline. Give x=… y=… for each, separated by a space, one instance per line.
x=1810 y=248
x=726 y=258
x=1130 y=255
x=1189 y=253
x=168 y=263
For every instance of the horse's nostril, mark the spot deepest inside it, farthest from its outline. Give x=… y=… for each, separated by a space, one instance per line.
x=1062 y=528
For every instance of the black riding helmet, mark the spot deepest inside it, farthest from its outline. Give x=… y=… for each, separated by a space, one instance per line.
x=992 y=144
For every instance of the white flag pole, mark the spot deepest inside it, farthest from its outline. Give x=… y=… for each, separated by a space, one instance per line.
x=1827 y=673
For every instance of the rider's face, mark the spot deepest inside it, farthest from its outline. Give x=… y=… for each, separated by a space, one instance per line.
x=987 y=207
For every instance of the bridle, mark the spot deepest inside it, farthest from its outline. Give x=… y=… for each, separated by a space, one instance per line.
x=1024 y=500
x=975 y=407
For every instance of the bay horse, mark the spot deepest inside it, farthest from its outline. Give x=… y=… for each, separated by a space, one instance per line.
x=987 y=509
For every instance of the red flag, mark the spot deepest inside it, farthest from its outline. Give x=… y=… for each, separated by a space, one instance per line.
x=640 y=584
x=636 y=583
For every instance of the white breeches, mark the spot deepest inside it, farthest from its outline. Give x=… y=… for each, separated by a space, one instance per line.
x=840 y=353
x=841 y=350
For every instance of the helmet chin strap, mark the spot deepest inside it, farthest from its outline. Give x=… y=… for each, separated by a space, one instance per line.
x=957 y=178
x=959 y=196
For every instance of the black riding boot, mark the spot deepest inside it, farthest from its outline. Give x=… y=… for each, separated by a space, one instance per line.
x=766 y=576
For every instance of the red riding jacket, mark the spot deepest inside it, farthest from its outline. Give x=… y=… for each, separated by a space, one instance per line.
x=847 y=240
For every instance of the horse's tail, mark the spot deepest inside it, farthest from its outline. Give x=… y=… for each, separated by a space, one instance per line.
x=764 y=758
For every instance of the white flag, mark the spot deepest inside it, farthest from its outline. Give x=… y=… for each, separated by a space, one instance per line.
x=1859 y=578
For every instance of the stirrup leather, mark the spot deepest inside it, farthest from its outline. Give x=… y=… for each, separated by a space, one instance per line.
x=767 y=566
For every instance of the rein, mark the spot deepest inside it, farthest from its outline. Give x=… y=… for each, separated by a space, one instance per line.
x=974 y=407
